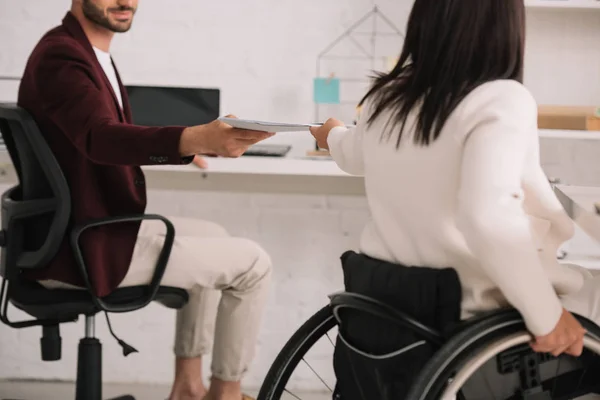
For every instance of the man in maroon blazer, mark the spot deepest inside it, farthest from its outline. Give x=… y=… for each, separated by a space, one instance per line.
x=73 y=90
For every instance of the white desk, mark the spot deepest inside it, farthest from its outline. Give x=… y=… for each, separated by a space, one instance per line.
x=262 y=166
x=271 y=175
x=244 y=174
x=580 y=204
x=258 y=174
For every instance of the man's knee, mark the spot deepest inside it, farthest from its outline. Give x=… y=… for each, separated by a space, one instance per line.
x=213 y=230
x=259 y=269
x=262 y=264
x=197 y=227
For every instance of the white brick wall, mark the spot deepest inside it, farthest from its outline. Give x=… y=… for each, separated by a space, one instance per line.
x=261 y=53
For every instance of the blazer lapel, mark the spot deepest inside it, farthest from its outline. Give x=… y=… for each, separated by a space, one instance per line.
x=126 y=106
x=74 y=28
x=110 y=87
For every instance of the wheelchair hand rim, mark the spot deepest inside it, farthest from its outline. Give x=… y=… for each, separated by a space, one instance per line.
x=493 y=350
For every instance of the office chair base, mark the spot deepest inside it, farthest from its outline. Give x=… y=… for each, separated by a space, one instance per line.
x=89 y=371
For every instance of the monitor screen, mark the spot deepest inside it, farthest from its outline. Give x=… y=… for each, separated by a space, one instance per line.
x=165 y=106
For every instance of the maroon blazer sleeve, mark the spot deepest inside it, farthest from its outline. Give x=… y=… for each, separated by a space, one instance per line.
x=72 y=100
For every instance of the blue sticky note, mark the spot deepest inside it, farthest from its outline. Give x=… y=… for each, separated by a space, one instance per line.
x=327 y=91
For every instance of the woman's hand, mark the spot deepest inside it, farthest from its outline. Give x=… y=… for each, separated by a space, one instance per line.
x=567 y=337
x=321 y=133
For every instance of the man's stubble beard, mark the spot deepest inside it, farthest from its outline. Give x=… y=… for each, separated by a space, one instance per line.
x=97 y=16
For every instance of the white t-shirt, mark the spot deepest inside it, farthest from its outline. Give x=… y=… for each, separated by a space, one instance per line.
x=475 y=200
x=109 y=70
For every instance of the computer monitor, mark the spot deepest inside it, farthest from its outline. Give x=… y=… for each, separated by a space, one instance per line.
x=167 y=106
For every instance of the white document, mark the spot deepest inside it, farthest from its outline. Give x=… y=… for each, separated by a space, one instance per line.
x=264 y=126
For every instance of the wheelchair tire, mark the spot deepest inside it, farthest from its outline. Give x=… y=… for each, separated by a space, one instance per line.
x=463 y=347
x=294 y=351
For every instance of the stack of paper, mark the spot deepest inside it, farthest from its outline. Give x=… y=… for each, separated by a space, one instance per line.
x=264 y=126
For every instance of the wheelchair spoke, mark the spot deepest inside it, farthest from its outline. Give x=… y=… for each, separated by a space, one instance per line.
x=329 y=338
x=292 y=394
x=318 y=376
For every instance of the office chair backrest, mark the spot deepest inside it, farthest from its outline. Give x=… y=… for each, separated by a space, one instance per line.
x=36 y=212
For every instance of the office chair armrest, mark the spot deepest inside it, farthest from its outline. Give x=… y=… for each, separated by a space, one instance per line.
x=159 y=270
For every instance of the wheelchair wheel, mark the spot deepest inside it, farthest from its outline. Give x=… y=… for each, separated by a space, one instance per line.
x=294 y=352
x=458 y=369
x=452 y=366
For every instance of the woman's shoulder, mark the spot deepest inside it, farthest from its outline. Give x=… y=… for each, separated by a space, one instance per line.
x=502 y=93
x=504 y=87
x=499 y=99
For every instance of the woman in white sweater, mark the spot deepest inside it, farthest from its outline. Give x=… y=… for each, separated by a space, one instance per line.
x=448 y=145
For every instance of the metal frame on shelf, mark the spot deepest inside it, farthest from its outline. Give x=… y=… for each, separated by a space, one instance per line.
x=362 y=53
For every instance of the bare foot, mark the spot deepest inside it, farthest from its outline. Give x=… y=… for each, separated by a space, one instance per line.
x=243 y=397
x=188 y=383
x=188 y=395
x=224 y=390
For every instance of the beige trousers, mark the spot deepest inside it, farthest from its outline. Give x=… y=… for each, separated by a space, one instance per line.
x=227 y=279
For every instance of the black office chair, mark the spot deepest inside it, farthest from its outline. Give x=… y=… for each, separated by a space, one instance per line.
x=35 y=219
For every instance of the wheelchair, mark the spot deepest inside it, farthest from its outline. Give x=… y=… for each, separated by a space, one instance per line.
x=485 y=358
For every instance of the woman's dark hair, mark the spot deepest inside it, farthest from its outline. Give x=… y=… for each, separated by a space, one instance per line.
x=451 y=47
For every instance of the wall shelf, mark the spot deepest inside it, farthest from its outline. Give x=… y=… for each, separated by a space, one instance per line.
x=569 y=135
x=555 y=4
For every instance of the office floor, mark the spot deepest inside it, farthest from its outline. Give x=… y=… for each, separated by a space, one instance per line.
x=23 y=390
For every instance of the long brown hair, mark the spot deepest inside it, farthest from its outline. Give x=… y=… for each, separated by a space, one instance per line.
x=451 y=47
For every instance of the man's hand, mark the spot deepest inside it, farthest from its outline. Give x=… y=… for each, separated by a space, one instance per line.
x=567 y=337
x=219 y=139
x=321 y=133
x=200 y=162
